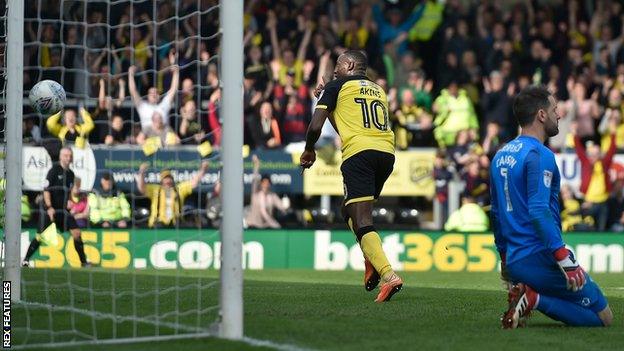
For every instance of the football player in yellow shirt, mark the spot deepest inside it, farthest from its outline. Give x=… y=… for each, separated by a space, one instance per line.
x=358 y=109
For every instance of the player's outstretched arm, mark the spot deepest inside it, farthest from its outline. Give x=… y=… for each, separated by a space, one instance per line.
x=314 y=132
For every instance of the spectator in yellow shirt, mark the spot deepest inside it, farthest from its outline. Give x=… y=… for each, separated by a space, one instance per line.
x=167 y=197
x=285 y=60
x=414 y=123
x=70 y=130
x=573 y=217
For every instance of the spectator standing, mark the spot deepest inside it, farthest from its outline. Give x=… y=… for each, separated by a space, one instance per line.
x=595 y=181
x=442 y=176
x=612 y=120
x=79 y=207
x=157 y=129
x=107 y=111
x=496 y=103
x=70 y=131
x=31 y=133
x=191 y=131
x=476 y=180
x=109 y=206
x=390 y=28
x=285 y=60
x=264 y=129
x=470 y=217
x=167 y=197
x=585 y=110
x=414 y=124
x=263 y=201
x=259 y=71
x=117 y=133
x=573 y=217
x=147 y=108
x=454 y=112
x=294 y=107
x=214 y=120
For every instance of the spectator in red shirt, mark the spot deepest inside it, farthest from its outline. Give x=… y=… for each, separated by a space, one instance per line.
x=295 y=107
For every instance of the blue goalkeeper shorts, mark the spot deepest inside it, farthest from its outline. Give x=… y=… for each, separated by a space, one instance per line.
x=541 y=272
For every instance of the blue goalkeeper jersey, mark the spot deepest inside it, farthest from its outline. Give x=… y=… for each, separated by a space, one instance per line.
x=524 y=186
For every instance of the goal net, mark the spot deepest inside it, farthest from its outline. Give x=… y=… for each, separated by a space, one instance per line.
x=142 y=118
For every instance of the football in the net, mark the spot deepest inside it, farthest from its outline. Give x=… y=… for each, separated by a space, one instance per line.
x=47 y=97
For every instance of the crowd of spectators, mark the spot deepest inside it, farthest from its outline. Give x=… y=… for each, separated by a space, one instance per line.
x=451 y=69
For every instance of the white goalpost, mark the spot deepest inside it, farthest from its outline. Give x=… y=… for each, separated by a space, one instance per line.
x=153 y=295
x=232 y=230
x=13 y=136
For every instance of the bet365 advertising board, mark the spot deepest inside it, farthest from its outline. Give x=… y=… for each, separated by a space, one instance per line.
x=308 y=249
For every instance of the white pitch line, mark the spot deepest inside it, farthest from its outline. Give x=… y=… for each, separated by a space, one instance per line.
x=246 y=340
x=268 y=343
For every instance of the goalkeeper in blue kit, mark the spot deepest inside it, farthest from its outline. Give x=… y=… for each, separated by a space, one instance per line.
x=527 y=227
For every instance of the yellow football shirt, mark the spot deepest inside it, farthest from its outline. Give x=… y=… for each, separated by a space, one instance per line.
x=166 y=205
x=597 y=190
x=360 y=114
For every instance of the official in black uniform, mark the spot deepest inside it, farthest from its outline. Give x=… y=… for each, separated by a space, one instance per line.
x=56 y=192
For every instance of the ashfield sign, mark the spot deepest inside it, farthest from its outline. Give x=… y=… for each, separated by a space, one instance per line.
x=36 y=163
x=124 y=162
x=35 y=166
x=308 y=249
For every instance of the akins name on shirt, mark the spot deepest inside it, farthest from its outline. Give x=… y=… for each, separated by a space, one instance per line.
x=370 y=92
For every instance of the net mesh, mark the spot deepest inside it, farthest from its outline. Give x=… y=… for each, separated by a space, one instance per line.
x=147 y=282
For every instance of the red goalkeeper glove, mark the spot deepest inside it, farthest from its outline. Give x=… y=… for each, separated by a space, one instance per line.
x=574 y=274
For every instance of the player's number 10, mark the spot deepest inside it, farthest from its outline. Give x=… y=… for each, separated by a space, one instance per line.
x=370 y=112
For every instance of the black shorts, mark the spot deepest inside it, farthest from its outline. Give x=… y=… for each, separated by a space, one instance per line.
x=364 y=175
x=63 y=219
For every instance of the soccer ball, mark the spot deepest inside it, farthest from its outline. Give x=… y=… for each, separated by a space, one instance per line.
x=47 y=97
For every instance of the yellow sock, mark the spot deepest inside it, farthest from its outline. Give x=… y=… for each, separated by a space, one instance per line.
x=371 y=246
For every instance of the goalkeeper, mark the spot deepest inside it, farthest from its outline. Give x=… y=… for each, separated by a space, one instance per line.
x=527 y=227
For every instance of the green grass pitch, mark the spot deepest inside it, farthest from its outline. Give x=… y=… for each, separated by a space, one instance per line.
x=320 y=311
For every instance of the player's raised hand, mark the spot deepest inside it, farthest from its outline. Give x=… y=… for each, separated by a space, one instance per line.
x=573 y=272
x=307 y=159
